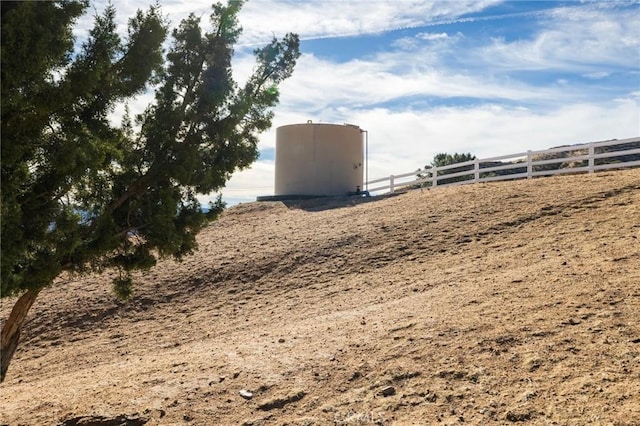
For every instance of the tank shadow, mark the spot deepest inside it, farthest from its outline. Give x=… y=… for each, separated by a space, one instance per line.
x=319 y=204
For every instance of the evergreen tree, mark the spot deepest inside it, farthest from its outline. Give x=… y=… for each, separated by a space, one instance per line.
x=443 y=159
x=80 y=194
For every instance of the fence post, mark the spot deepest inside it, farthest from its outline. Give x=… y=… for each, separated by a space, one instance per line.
x=592 y=161
x=391 y=179
x=434 y=175
x=476 y=170
x=529 y=164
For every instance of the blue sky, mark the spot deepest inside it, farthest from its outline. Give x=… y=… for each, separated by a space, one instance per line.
x=487 y=77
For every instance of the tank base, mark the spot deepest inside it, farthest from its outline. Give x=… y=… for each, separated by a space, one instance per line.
x=289 y=197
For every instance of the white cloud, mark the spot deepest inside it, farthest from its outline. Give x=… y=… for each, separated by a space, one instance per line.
x=432 y=36
x=439 y=42
x=597 y=74
x=393 y=76
x=337 y=18
x=572 y=39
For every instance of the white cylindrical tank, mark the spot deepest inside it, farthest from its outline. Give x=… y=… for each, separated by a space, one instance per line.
x=317 y=159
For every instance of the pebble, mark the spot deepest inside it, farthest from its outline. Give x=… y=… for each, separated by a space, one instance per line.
x=246 y=394
x=388 y=391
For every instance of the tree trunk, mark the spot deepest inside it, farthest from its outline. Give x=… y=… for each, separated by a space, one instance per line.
x=12 y=327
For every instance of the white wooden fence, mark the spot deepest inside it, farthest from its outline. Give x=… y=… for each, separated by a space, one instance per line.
x=480 y=170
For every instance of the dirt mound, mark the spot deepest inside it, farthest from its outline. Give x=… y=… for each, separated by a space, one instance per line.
x=503 y=302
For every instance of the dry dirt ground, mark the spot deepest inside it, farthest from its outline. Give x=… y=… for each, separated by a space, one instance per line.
x=510 y=302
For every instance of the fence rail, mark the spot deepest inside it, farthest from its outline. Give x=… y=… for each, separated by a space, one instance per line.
x=583 y=158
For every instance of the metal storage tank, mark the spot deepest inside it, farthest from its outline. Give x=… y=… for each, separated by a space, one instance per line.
x=318 y=159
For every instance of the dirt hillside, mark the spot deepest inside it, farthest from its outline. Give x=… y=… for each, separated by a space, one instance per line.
x=501 y=303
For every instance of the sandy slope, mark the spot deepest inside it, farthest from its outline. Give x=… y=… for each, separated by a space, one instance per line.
x=490 y=303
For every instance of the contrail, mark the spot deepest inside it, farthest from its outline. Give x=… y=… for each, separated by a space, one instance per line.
x=436 y=23
x=465 y=20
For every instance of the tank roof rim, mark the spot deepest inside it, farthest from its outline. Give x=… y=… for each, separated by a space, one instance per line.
x=320 y=124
